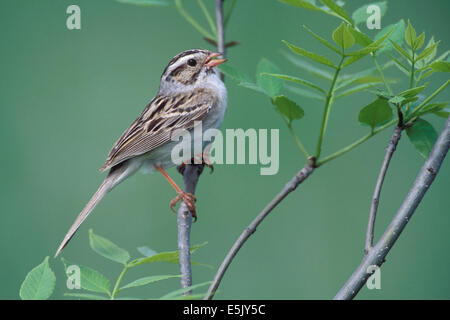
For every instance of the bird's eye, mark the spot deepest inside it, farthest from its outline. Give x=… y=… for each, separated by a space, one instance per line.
x=192 y=62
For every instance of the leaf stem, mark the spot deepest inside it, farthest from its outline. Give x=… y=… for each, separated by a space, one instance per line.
x=297 y=141
x=191 y=20
x=119 y=279
x=230 y=10
x=411 y=78
x=328 y=104
x=430 y=97
x=354 y=144
x=207 y=16
x=380 y=71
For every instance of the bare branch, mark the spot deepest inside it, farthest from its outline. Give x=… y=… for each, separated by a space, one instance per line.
x=392 y=145
x=288 y=188
x=191 y=175
x=378 y=253
x=220 y=27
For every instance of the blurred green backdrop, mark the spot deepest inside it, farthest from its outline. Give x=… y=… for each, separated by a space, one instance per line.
x=67 y=95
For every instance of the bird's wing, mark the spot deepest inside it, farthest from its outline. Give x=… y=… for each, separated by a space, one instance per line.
x=160 y=118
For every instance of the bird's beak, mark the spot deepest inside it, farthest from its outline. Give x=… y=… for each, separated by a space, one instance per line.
x=209 y=62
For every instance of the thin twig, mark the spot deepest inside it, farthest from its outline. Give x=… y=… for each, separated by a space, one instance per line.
x=289 y=187
x=377 y=255
x=207 y=16
x=392 y=145
x=326 y=113
x=191 y=174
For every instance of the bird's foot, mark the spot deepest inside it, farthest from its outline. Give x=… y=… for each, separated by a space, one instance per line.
x=189 y=199
x=205 y=159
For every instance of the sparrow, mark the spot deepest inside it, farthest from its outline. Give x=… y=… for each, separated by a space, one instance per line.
x=190 y=91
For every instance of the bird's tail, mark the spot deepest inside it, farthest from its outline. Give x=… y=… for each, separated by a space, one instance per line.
x=116 y=175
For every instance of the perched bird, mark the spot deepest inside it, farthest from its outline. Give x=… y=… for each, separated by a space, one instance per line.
x=190 y=91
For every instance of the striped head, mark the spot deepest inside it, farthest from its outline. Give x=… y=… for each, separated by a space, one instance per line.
x=189 y=69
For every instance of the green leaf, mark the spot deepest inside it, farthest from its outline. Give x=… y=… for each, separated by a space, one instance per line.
x=381 y=93
x=107 y=249
x=433 y=108
x=356 y=89
x=359 y=80
x=399 y=65
x=379 y=42
x=234 y=73
x=311 y=5
x=400 y=50
x=86 y=296
x=360 y=15
x=443 y=56
x=169 y=256
x=396 y=35
x=418 y=43
x=322 y=40
x=425 y=75
x=146 y=251
x=296 y=80
x=443 y=113
x=343 y=37
x=191 y=297
x=242 y=79
x=431 y=56
x=271 y=85
x=364 y=51
x=442 y=66
x=205 y=33
x=376 y=113
x=315 y=71
x=147 y=280
x=338 y=10
x=254 y=87
x=428 y=51
x=362 y=39
x=90 y=279
x=305 y=93
x=412 y=92
x=310 y=55
x=178 y=293
x=288 y=108
x=159 y=3
x=355 y=58
x=423 y=136
x=398 y=100
x=410 y=35
x=305 y=4
x=39 y=283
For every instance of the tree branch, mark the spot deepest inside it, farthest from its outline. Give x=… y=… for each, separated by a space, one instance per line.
x=289 y=187
x=378 y=253
x=220 y=27
x=191 y=175
x=392 y=145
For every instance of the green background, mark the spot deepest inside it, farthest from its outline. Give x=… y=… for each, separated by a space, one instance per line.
x=66 y=96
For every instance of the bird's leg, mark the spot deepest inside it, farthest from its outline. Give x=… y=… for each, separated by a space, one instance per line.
x=187 y=198
x=205 y=159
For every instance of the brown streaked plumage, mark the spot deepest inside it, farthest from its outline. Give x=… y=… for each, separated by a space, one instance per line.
x=190 y=90
x=163 y=115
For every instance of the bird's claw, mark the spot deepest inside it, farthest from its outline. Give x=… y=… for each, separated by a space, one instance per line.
x=189 y=199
